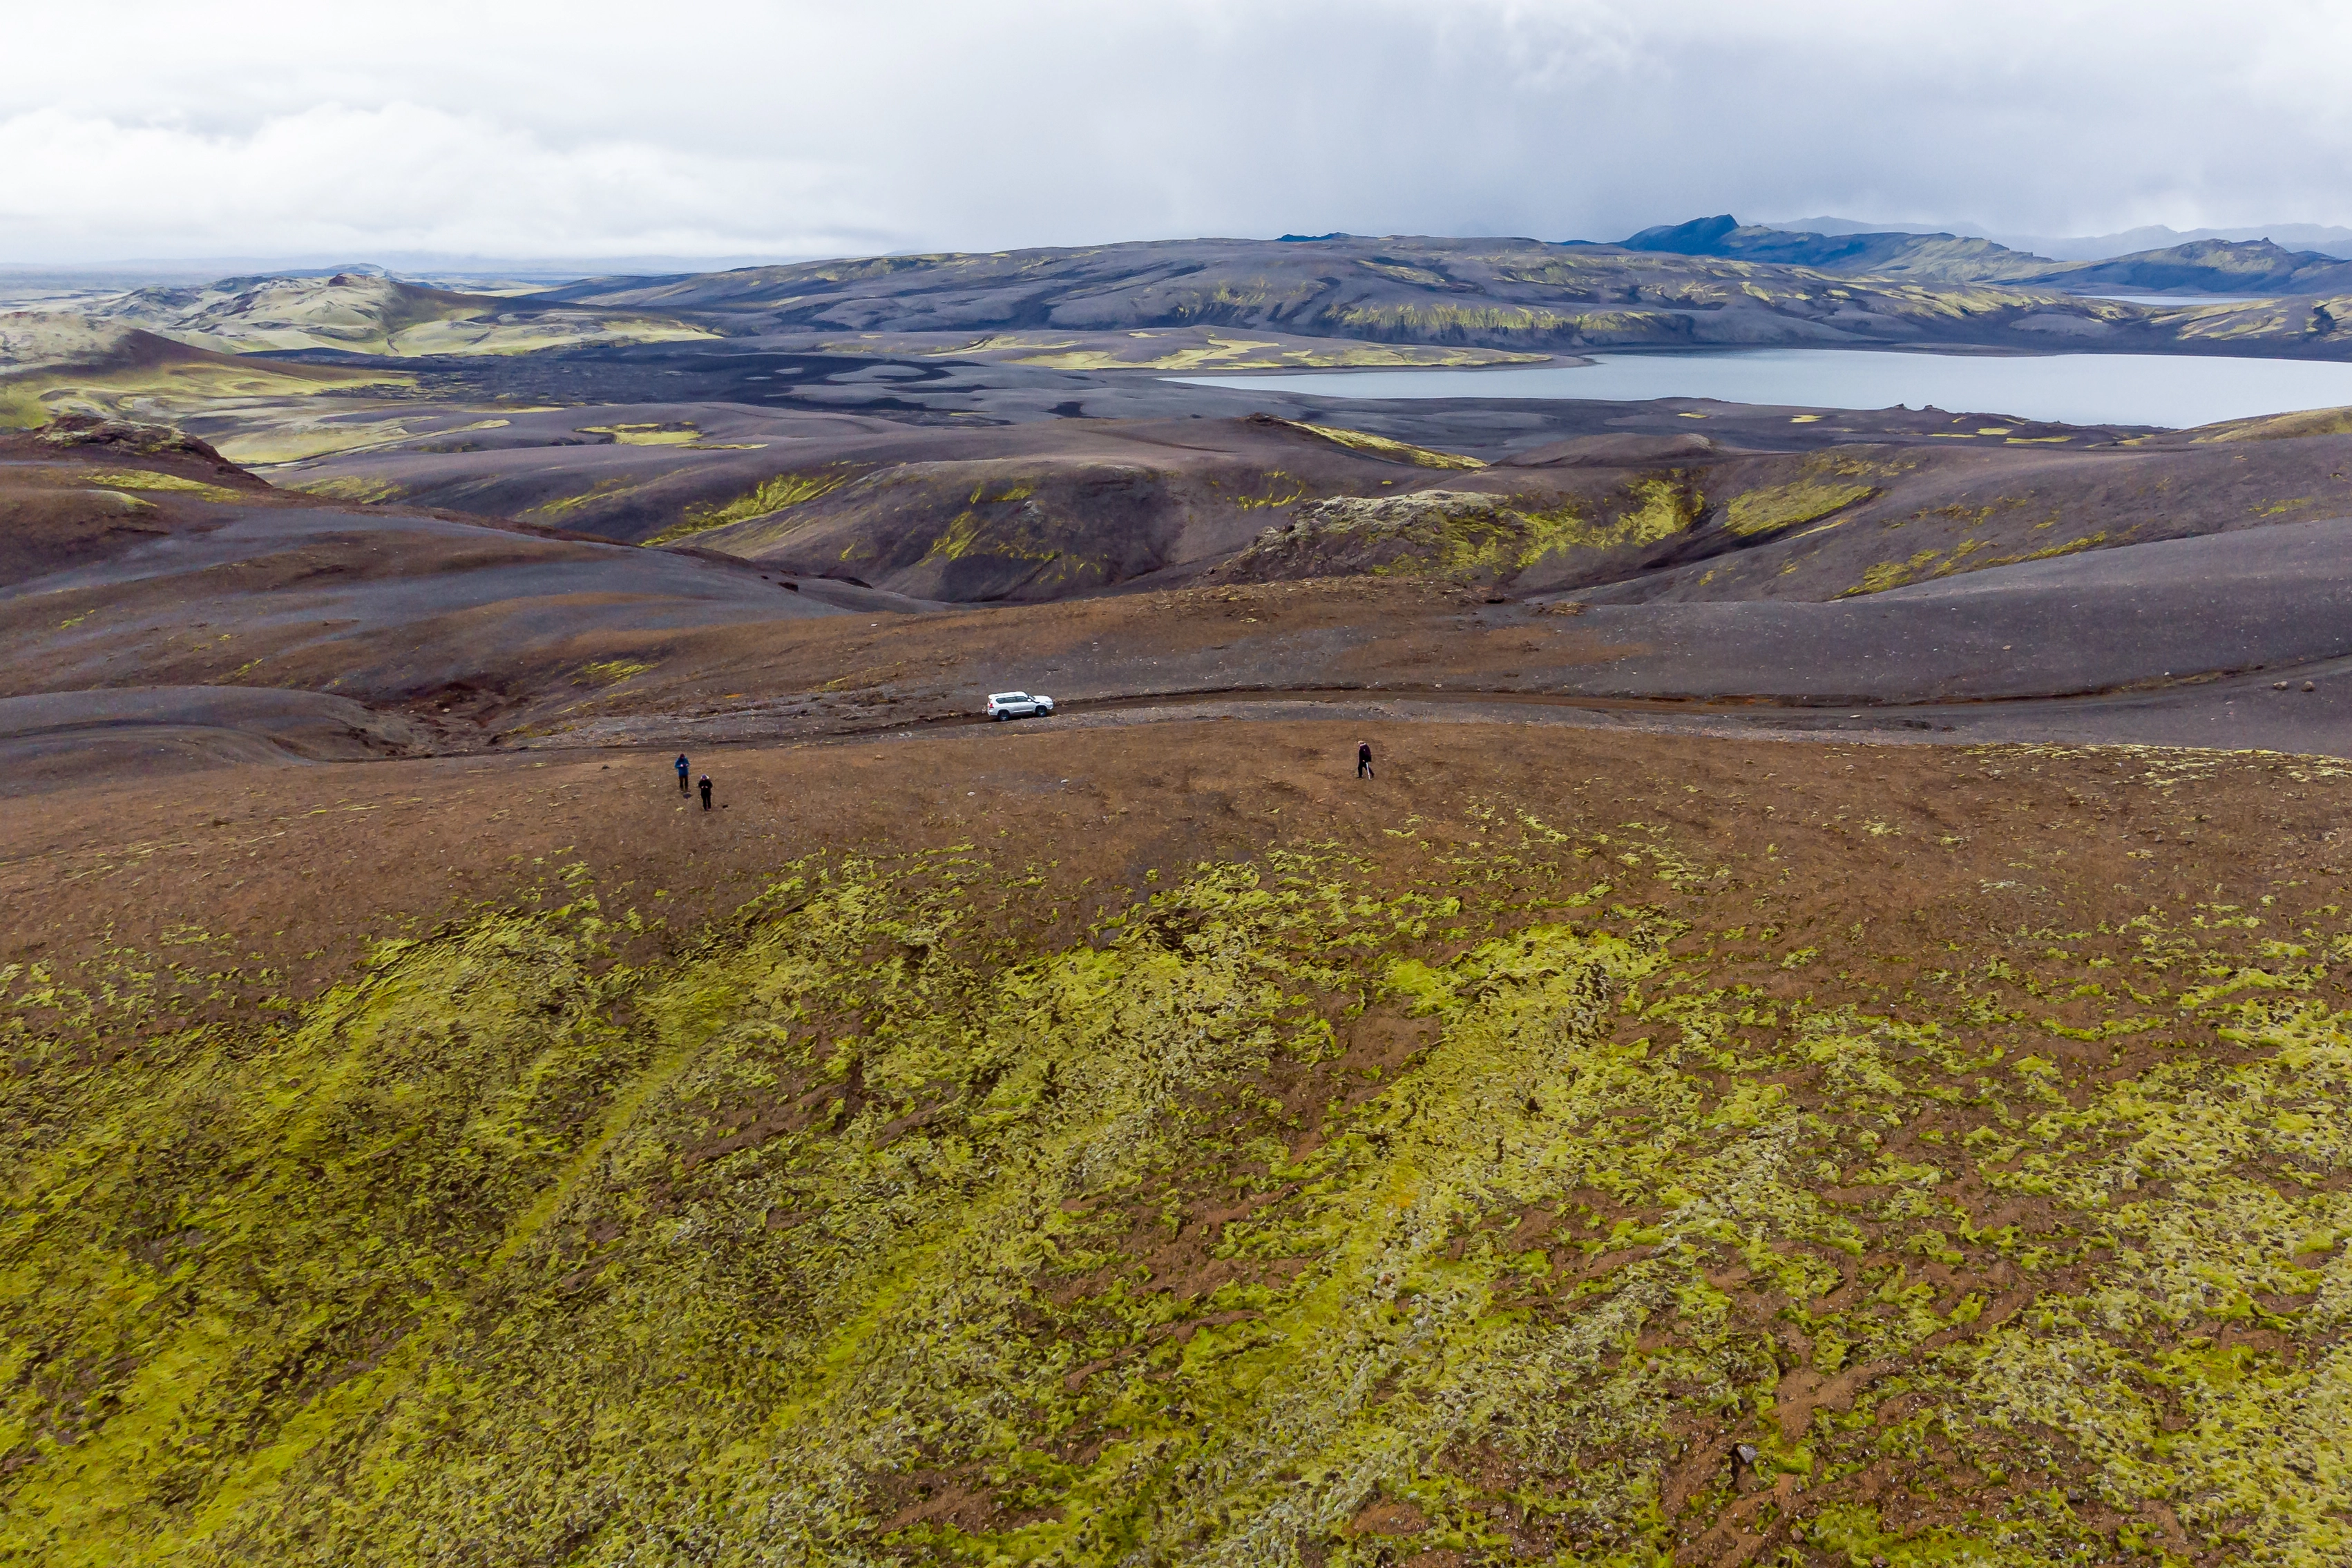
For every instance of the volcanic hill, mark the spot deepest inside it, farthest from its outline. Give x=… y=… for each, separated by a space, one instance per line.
x=2208 y=266
x=1157 y=1145
x=1820 y=1039
x=1517 y=294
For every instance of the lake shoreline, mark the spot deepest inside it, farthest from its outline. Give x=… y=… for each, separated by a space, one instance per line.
x=2149 y=391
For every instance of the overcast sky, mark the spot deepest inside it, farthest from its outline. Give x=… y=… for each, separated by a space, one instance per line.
x=509 y=129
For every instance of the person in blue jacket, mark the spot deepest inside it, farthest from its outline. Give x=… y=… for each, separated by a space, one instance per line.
x=681 y=773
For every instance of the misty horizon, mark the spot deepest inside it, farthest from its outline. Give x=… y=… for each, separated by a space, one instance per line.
x=2321 y=239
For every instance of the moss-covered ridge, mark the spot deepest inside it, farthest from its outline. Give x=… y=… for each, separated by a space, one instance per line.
x=1481 y=1199
x=1469 y=534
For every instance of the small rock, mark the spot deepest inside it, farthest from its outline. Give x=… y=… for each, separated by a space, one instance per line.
x=1743 y=1454
x=2310 y=686
x=2278 y=685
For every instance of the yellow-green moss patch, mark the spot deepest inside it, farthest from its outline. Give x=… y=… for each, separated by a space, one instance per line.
x=771 y=495
x=646 y=435
x=1297 y=1208
x=611 y=671
x=1785 y=506
x=143 y=479
x=355 y=488
x=1382 y=447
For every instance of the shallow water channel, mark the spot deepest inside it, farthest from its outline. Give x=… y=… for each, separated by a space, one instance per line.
x=2174 y=390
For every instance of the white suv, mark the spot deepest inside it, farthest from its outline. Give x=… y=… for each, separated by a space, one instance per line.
x=1016 y=705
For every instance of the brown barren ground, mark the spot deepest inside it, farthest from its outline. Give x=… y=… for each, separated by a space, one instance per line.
x=307 y=865
x=1824 y=877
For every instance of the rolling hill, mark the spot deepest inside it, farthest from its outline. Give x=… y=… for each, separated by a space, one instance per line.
x=1613 y=1133
x=365 y=313
x=2218 y=266
x=1117 y=1146
x=60 y=362
x=1520 y=295
x=2207 y=266
x=1938 y=258
x=1501 y=293
x=1821 y=1042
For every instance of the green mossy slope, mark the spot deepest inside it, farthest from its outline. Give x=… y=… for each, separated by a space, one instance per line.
x=1311 y=1210
x=1468 y=534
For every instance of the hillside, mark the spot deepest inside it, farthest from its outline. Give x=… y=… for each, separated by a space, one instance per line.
x=65 y=362
x=2220 y=266
x=1500 y=293
x=1517 y=295
x=1938 y=258
x=1765 y=504
x=1109 y=319
x=2208 y=266
x=366 y=313
x=2191 y=587
x=1161 y=1147
x=1667 y=1113
x=161 y=609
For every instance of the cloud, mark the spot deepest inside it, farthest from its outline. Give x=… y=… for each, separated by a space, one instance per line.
x=398 y=176
x=800 y=129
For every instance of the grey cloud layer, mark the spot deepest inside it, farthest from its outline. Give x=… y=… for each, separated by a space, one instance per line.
x=587 y=129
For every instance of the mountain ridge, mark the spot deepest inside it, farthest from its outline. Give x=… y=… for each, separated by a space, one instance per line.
x=2328 y=239
x=371 y=312
x=2212 y=265
x=1509 y=293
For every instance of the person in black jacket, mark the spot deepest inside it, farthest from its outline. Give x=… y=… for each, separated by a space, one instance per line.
x=1364 y=759
x=705 y=792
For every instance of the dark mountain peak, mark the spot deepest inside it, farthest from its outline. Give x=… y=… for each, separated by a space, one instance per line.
x=1942 y=257
x=1699 y=237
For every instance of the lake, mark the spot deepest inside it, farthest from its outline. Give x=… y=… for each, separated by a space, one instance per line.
x=2182 y=299
x=2172 y=390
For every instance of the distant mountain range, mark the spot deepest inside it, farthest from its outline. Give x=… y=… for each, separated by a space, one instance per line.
x=360 y=313
x=1714 y=283
x=1711 y=284
x=2203 y=266
x=2325 y=238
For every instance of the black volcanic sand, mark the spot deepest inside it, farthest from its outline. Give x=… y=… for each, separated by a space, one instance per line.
x=1060 y=505
x=477 y=633
x=977 y=481
x=945 y=389
x=761 y=413
x=68 y=740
